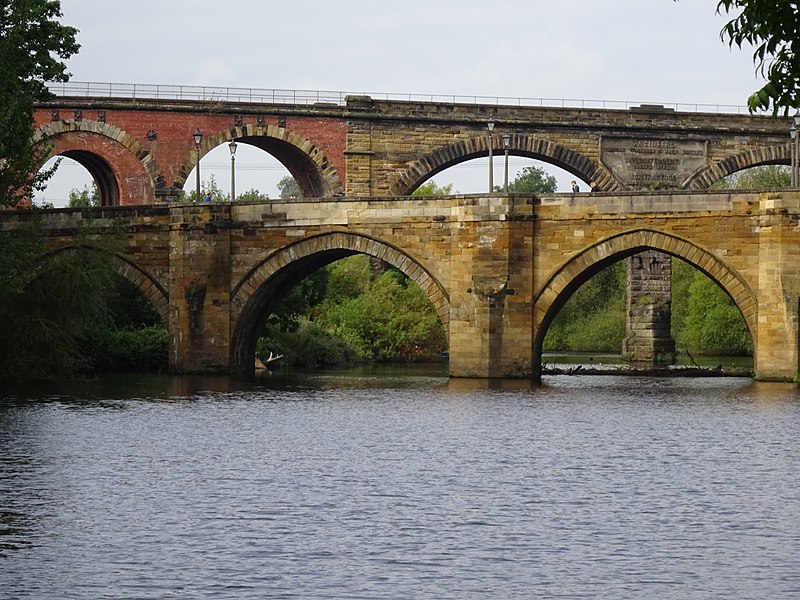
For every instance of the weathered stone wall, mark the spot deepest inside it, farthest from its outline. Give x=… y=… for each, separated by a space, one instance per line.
x=385 y=148
x=648 y=338
x=497 y=269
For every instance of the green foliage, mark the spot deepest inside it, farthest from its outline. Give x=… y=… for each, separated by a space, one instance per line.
x=713 y=324
x=142 y=350
x=767 y=177
x=362 y=318
x=772 y=27
x=84 y=198
x=62 y=312
x=308 y=346
x=289 y=188
x=430 y=188
x=298 y=302
x=19 y=252
x=252 y=195
x=393 y=321
x=48 y=321
x=33 y=45
x=593 y=319
x=531 y=180
x=209 y=192
x=348 y=279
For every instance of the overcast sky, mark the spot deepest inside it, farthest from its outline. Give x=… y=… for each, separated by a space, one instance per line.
x=642 y=51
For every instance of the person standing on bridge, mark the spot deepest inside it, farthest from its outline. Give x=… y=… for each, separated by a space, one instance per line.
x=575 y=188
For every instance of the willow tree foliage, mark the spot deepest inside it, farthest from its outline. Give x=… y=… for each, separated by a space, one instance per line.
x=33 y=46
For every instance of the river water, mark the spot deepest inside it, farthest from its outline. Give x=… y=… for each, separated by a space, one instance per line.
x=401 y=484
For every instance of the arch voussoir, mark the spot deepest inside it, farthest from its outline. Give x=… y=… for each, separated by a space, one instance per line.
x=575 y=268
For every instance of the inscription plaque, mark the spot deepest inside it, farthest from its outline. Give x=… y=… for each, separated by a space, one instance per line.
x=652 y=163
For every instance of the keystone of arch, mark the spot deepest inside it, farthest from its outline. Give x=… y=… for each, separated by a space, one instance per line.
x=766 y=155
x=351 y=244
x=629 y=243
x=130 y=143
x=330 y=178
x=523 y=145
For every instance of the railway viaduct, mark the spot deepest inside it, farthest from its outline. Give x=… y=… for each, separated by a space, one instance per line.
x=497 y=268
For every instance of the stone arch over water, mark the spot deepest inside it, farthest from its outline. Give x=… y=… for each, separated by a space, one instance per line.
x=259 y=292
x=567 y=278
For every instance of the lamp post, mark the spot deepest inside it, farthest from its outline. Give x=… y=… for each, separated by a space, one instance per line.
x=232 y=147
x=198 y=136
x=506 y=143
x=795 y=133
x=490 y=126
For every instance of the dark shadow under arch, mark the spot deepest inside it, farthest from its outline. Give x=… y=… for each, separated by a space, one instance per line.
x=149 y=287
x=578 y=269
x=263 y=287
x=100 y=170
x=135 y=161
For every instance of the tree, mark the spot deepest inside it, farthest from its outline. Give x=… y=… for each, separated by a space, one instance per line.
x=773 y=28
x=33 y=45
x=252 y=195
x=289 y=188
x=767 y=177
x=430 y=188
x=84 y=198
x=531 y=180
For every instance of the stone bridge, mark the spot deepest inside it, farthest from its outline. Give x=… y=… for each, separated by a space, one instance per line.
x=496 y=268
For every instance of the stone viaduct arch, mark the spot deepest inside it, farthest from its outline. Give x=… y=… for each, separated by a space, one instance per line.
x=538 y=148
x=152 y=289
x=123 y=170
x=566 y=279
x=765 y=155
x=307 y=163
x=262 y=288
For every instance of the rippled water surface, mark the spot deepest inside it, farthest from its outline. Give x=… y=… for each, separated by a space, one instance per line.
x=398 y=485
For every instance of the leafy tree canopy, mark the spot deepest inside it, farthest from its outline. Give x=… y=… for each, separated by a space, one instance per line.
x=431 y=188
x=768 y=177
x=289 y=188
x=772 y=27
x=84 y=198
x=33 y=46
x=252 y=195
x=532 y=180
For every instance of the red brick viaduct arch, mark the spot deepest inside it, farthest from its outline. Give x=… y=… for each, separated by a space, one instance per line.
x=307 y=163
x=537 y=148
x=123 y=170
x=126 y=172
x=566 y=279
x=253 y=298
